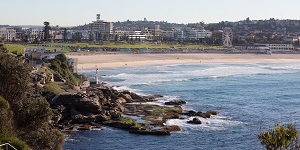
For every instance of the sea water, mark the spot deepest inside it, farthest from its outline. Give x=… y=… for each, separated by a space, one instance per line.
x=251 y=98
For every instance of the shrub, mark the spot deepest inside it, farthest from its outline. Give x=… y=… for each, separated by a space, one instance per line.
x=62 y=66
x=15 y=142
x=280 y=137
x=6 y=126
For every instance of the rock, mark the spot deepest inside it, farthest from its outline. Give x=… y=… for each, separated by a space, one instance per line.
x=134 y=96
x=212 y=112
x=85 y=127
x=173 y=128
x=84 y=119
x=177 y=102
x=151 y=132
x=74 y=113
x=121 y=100
x=190 y=113
x=82 y=104
x=56 y=118
x=127 y=97
x=195 y=121
x=175 y=117
x=120 y=125
x=126 y=92
x=101 y=118
x=152 y=97
x=207 y=115
x=200 y=114
x=116 y=114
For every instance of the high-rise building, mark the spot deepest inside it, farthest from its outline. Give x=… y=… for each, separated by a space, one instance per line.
x=101 y=30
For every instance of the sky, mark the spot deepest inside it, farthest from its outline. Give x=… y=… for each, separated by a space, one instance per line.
x=80 y=12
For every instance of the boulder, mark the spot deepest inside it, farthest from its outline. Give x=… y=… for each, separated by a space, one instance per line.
x=173 y=128
x=82 y=104
x=152 y=97
x=74 y=113
x=84 y=119
x=127 y=97
x=84 y=127
x=101 y=118
x=195 y=121
x=190 y=113
x=212 y=112
x=136 y=97
x=200 y=114
x=177 y=102
x=116 y=114
x=121 y=100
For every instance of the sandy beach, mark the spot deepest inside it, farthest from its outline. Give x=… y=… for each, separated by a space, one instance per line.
x=127 y=60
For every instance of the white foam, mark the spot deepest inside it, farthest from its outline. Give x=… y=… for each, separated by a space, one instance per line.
x=281 y=66
x=215 y=123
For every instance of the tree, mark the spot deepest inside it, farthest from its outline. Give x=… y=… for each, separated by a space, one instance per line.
x=116 y=38
x=46 y=30
x=280 y=137
x=65 y=34
x=29 y=112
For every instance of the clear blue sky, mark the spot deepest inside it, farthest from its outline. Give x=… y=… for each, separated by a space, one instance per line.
x=78 y=12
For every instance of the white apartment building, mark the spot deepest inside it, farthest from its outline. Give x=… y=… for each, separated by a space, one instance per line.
x=37 y=34
x=167 y=34
x=196 y=34
x=280 y=47
x=9 y=34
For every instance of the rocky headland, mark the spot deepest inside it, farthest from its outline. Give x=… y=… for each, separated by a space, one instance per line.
x=101 y=105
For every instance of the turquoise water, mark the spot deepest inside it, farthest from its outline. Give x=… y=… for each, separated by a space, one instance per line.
x=250 y=97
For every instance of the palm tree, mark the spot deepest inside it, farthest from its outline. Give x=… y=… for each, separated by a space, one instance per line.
x=47 y=28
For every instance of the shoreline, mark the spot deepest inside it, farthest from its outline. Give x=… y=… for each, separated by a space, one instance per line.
x=108 y=60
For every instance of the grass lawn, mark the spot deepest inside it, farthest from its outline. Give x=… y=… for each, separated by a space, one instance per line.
x=140 y=45
x=20 y=48
x=15 y=48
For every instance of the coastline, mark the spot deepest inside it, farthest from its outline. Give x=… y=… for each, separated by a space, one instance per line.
x=110 y=60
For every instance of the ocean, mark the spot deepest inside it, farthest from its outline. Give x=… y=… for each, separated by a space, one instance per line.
x=251 y=98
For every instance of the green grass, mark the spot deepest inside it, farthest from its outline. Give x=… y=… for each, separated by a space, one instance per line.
x=54 y=87
x=140 y=45
x=44 y=70
x=15 y=48
x=51 y=89
x=20 y=48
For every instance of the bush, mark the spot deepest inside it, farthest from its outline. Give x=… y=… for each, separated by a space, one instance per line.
x=15 y=142
x=6 y=126
x=280 y=137
x=62 y=66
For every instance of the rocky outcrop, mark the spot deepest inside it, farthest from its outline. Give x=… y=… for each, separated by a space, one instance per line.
x=151 y=132
x=106 y=106
x=89 y=104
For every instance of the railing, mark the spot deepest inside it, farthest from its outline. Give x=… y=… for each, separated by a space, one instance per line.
x=7 y=145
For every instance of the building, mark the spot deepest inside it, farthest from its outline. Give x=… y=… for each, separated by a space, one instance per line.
x=197 y=34
x=10 y=34
x=101 y=30
x=36 y=35
x=279 y=47
x=40 y=54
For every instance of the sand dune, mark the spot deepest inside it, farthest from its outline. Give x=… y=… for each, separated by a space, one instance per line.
x=127 y=60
